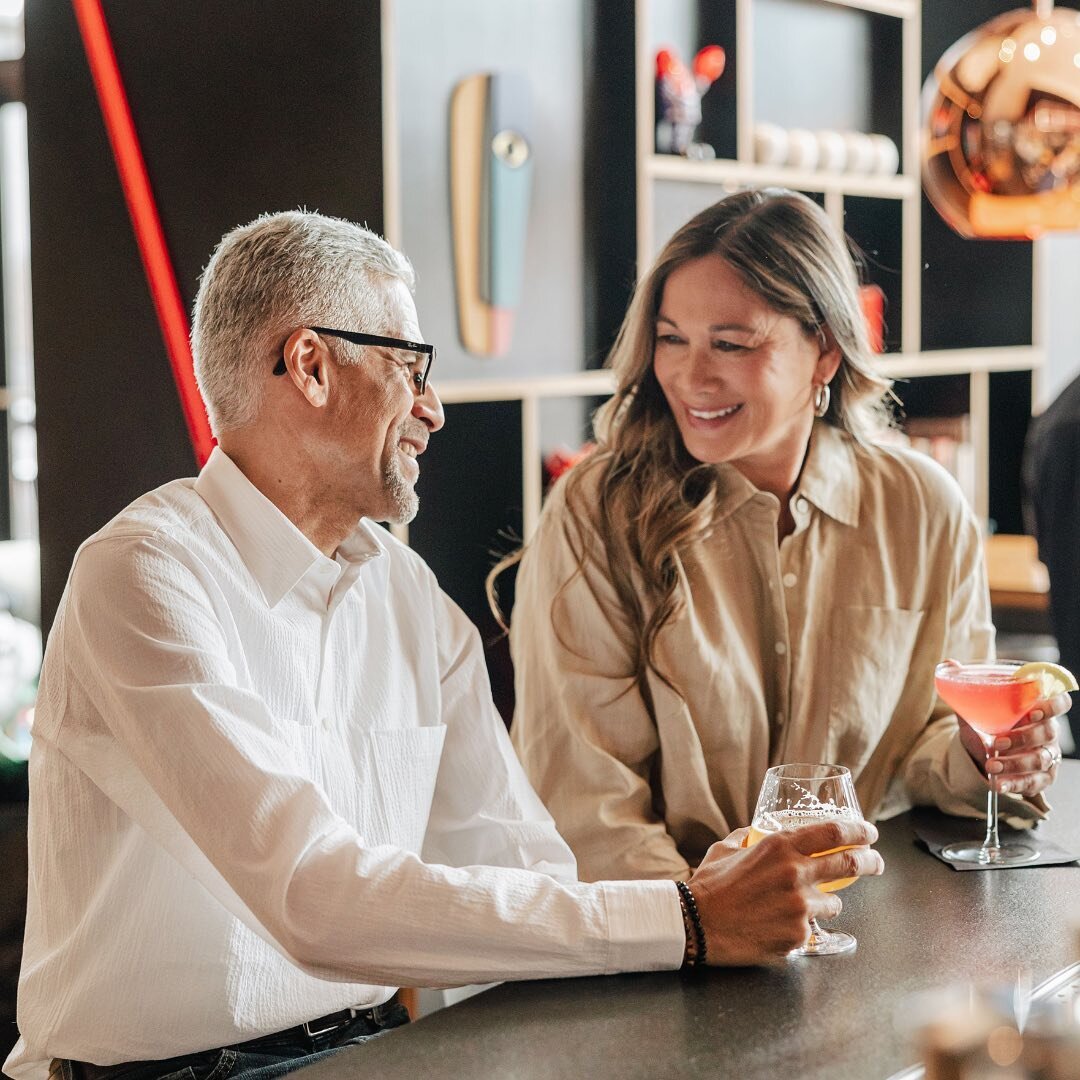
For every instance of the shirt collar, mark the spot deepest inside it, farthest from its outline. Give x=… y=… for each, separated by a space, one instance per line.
x=274 y=550
x=829 y=478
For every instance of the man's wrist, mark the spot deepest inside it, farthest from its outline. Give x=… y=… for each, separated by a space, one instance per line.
x=696 y=951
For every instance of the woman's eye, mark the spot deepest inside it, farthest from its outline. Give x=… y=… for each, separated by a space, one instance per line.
x=728 y=346
x=668 y=339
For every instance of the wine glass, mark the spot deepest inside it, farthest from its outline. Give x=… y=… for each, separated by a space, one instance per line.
x=794 y=795
x=989 y=696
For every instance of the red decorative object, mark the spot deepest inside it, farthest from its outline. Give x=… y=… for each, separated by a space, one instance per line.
x=563 y=459
x=709 y=65
x=171 y=313
x=679 y=90
x=872 y=300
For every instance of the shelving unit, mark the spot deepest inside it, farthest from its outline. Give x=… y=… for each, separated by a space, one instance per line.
x=884 y=213
x=906 y=358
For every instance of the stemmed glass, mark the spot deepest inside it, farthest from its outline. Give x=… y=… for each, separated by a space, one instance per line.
x=794 y=795
x=992 y=700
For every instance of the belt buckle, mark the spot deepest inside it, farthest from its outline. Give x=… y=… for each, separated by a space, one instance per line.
x=342 y=1018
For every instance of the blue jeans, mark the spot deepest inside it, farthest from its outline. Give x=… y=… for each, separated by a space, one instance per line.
x=265 y=1058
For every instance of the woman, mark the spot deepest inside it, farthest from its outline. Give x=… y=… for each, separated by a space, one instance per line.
x=739 y=576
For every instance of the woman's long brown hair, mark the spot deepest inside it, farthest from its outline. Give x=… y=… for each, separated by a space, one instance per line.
x=649 y=499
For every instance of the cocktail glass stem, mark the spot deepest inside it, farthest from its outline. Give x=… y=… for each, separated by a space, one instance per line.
x=992 y=844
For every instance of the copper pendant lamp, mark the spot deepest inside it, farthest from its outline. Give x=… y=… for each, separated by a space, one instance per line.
x=1001 y=133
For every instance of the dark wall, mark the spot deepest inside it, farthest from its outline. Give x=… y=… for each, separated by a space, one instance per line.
x=240 y=109
x=977 y=293
x=610 y=194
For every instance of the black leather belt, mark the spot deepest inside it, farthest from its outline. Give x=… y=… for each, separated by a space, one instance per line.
x=331 y=1022
x=324 y=1025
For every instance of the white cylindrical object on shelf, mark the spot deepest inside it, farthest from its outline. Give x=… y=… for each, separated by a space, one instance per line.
x=802 y=149
x=861 y=155
x=832 y=151
x=886 y=155
x=770 y=144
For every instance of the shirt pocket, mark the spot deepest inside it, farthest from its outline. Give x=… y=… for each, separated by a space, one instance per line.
x=869 y=658
x=402 y=765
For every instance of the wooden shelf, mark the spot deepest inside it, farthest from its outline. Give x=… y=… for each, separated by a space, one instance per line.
x=595 y=383
x=958 y=362
x=724 y=172
x=599 y=382
x=902 y=9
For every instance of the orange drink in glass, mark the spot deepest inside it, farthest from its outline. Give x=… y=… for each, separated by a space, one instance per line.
x=792 y=819
x=795 y=795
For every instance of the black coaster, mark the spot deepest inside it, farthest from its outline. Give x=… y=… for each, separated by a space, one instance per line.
x=935 y=831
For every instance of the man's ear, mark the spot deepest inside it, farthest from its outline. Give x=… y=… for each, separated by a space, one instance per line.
x=828 y=362
x=306 y=358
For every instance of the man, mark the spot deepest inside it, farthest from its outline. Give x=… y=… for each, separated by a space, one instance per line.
x=268 y=783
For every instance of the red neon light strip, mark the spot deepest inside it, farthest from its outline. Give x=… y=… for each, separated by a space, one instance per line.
x=135 y=182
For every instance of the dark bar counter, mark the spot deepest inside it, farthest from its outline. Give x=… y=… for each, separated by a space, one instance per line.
x=921 y=925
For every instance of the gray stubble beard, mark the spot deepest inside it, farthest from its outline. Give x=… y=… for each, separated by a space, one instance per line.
x=404 y=502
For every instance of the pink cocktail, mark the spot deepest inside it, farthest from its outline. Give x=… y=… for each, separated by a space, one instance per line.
x=987 y=696
x=990 y=697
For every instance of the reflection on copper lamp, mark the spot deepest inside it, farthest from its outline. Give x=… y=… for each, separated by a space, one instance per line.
x=1001 y=136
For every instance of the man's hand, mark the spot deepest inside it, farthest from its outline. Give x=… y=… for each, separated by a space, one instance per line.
x=756 y=903
x=1027 y=757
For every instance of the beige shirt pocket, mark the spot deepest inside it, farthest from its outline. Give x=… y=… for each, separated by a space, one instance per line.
x=870 y=650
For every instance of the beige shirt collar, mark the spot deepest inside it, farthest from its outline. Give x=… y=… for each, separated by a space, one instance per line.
x=829 y=479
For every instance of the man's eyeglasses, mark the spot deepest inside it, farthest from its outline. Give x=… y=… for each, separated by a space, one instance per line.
x=418 y=369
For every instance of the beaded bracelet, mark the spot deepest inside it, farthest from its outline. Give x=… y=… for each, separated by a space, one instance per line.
x=692 y=922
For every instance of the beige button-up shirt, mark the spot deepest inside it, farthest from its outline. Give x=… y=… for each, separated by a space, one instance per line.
x=821 y=648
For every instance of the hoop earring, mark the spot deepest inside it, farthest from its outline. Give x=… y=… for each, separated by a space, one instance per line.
x=822 y=397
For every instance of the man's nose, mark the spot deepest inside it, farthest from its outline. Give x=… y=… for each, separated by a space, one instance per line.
x=428 y=408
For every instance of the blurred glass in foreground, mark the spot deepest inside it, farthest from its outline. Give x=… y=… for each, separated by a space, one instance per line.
x=998 y=1033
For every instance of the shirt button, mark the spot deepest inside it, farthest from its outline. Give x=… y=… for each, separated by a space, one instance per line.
x=790 y=580
x=780 y=648
x=780 y=719
x=801 y=505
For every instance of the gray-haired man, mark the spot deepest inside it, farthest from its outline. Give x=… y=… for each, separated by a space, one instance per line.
x=268 y=783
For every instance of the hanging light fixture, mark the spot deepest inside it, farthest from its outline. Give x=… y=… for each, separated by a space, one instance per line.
x=1001 y=135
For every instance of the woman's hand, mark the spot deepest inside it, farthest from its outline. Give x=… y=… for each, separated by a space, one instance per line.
x=1024 y=760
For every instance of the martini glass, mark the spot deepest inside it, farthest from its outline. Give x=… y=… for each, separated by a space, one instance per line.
x=990 y=697
x=794 y=795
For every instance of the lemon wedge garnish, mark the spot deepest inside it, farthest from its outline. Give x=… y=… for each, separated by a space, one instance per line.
x=1053 y=678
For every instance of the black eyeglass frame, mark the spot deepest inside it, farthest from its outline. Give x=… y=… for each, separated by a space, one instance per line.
x=420 y=378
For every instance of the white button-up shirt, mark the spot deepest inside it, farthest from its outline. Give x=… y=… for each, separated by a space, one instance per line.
x=267 y=785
